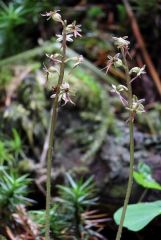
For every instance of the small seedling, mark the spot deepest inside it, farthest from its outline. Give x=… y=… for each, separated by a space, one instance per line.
x=13 y=192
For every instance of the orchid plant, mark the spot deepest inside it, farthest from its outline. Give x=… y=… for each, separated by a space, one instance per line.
x=131 y=103
x=60 y=92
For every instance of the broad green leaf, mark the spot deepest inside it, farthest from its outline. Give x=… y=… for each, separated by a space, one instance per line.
x=143 y=177
x=139 y=215
x=146 y=181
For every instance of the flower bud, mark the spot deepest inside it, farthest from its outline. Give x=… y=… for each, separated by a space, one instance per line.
x=138 y=71
x=118 y=63
x=122 y=88
x=56 y=17
x=121 y=42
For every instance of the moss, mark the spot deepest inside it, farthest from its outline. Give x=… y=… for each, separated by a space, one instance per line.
x=5 y=76
x=88 y=90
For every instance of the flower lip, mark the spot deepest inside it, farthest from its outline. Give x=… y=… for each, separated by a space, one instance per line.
x=68 y=37
x=59 y=37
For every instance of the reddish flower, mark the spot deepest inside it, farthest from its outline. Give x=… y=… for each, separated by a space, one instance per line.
x=64 y=93
x=111 y=61
x=75 y=29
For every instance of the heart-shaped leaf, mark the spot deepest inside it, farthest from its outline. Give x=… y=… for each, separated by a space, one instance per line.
x=139 y=215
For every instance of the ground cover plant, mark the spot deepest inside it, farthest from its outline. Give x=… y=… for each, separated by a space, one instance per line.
x=70 y=214
x=149 y=210
x=89 y=122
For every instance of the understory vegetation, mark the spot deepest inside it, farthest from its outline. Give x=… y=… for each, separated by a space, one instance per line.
x=80 y=129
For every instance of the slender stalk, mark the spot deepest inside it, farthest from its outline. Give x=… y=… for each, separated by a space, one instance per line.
x=51 y=138
x=131 y=131
x=143 y=195
x=77 y=222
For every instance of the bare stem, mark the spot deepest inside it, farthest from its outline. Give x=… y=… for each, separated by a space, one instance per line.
x=77 y=222
x=131 y=131
x=51 y=138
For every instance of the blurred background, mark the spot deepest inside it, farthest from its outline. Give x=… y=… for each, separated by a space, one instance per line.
x=91 y=136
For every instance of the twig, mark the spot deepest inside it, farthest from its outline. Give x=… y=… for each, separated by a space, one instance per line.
x=142 y=46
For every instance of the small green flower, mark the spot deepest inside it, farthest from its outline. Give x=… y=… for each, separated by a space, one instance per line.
x=117 y=90
x=138 y=71
x=137 y=105
x=118 y=63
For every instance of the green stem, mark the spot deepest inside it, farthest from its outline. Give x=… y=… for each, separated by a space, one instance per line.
x=131 y=131
x=51 y=138
x=77 y=222
x=143 y=195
